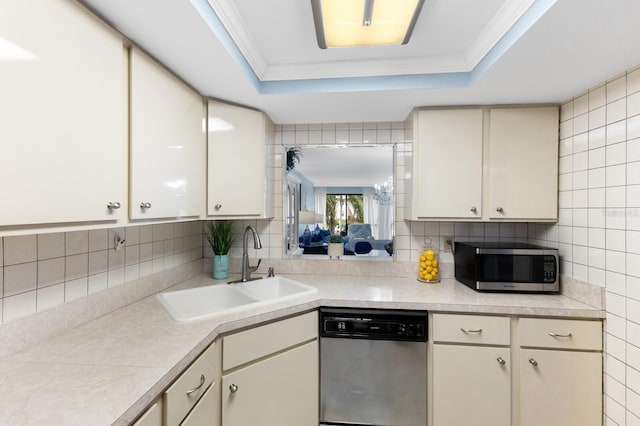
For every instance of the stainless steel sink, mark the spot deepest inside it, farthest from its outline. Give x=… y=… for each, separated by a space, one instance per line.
x=209 y=301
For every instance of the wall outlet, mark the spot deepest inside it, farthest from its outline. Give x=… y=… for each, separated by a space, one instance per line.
x=447 y=244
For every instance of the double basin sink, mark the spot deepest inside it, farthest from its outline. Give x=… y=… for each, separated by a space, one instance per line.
x=220 y=299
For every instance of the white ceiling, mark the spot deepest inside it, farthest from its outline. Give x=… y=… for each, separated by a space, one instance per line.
x=339 y=166
x=462 y=52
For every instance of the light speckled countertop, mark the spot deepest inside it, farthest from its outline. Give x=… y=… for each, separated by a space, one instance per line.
x=108 y=370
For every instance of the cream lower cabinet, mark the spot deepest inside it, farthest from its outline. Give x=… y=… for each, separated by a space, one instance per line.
x=151 y=417
x=471 y=380
x=560 y=373
x=549 y=372
x=271 y=374
x=194 y=398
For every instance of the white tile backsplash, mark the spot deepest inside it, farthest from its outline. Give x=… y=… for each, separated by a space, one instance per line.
x=47 y=270
x=600 y=228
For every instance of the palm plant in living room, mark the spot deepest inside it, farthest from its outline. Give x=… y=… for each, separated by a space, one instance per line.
x=220 y=237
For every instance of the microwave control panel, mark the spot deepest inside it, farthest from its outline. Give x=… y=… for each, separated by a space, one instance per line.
x=549 y=269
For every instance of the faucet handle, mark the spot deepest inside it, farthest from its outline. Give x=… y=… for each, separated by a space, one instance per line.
x=271 y=272
x=254 y=268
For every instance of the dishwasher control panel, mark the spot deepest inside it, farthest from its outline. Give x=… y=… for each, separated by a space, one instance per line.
x=373 y=324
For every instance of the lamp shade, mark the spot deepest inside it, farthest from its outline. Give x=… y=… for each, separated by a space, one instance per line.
x=319 y=218
x=306 y=217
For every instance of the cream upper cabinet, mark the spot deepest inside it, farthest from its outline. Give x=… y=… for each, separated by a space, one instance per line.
x=448 y=159
x=63 y=149
x=485 y=163
x=167 y=143
x=523 y=163
x=239 y=173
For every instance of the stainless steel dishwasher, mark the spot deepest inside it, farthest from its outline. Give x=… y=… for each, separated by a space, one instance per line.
x=373 y=367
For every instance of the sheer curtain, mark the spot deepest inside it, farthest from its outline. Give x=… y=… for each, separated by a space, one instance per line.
x=385 y=221
x=321 y=203
x=370 y=207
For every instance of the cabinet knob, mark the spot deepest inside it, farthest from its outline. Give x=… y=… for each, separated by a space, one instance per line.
x=113 y=205
x=145 y=205
x=218 y=206
x=474 y=210
x=500 y=210
x=233 y=388
x=533 y=362
x=501 y=360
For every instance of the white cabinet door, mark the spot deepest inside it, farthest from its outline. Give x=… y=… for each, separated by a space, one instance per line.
x=63 y=106
x=238 y=183
x=560 y=388
x=471 y=386
x=523 y=164
x=448 y=164
x=280 y=390
x=167 y=144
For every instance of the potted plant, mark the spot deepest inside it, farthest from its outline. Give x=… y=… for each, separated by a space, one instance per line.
x=293 y=156
x=220 y=237
x=335 y=248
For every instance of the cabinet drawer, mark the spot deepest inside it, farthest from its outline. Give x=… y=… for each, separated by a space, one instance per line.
x=476 y=329
x=190 y=386
x=561 y=333
x=207 y=410
x=257 y=342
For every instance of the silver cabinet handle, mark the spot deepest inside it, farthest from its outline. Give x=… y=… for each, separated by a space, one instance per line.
x=559 y=335
x=113 y=205
x=501 y=360
x=468 y=330
x=218 y=206
x=533 y=362
x=233 y=388
x=500 y=210
x=474 y=210
x=145 y=205
x=197 y=388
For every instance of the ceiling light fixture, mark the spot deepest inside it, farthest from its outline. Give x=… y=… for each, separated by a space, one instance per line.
x=351 y=23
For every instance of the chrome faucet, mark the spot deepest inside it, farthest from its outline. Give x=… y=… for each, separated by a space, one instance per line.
x=257 y=244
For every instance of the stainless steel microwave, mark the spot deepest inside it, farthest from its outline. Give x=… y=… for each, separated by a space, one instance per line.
x=499 y=266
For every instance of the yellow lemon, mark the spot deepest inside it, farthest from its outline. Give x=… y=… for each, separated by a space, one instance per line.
x=429 y=269
x=423 y=258
x=430 y=256
x=429 y=262
x=428 y=277
x=434 y=271
x=434 y=263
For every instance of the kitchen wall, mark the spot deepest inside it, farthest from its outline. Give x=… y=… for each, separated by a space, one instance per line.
x=409 y=235
x=598 y=233
x=42 y=271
